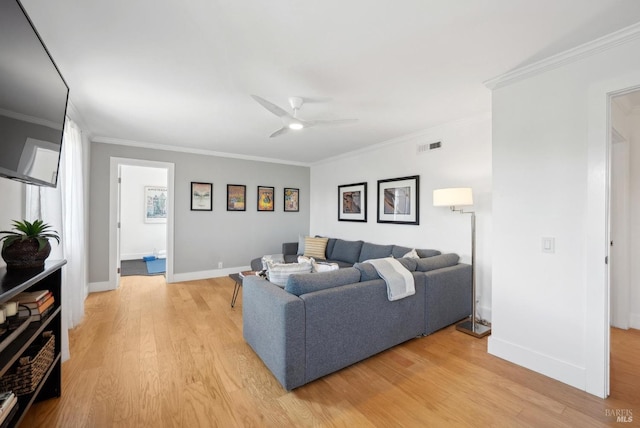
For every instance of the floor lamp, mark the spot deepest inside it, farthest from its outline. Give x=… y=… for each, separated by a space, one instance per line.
x=455 y=197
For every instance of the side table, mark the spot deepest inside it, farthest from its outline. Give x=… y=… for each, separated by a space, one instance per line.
x=238 y=283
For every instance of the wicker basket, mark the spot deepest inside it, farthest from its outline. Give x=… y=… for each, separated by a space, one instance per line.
x=26 y=374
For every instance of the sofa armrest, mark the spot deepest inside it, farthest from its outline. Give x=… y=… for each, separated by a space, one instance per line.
x=290 y=249
x=256 y=264
x=274 y=326
x=448 y=296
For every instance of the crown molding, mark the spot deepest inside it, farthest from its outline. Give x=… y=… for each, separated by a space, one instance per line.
x=571 y=55
x=153 y=146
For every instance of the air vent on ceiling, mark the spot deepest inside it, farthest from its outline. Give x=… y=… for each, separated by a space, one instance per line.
x=423 y=148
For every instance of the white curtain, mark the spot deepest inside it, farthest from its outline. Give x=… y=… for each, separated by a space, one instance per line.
x=63 y=208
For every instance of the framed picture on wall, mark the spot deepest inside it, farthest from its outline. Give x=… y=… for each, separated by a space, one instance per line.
x=201 y=196
x=266 y=197
x=291 y=199
x=398 y=200
x=236 y=197
x=352 y=202
x=155 y=204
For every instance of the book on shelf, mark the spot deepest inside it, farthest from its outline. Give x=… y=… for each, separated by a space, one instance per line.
x=8 y=401
x=32 y=297
x=38 y=313
x=7 y=411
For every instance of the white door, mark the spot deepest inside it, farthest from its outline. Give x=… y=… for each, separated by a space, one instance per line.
x=619 y=264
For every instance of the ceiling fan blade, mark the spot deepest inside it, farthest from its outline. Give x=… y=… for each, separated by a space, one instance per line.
x=280 y=131
x=271 y=107
x=330 y=122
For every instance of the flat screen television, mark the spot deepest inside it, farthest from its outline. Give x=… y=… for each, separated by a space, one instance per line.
x=33 y=101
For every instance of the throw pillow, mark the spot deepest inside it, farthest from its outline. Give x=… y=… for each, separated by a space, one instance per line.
x=315 y=247
x=275 y=258
x=301 y=239
x=413 y=254
x=278 y=273
x=323 y=266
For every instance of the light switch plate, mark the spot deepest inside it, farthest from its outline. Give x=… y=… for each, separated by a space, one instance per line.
x=548 y=245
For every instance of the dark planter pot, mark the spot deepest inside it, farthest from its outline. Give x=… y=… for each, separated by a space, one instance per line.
x=25 y=254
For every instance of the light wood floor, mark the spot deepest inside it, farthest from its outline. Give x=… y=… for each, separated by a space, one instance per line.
x=158 y=355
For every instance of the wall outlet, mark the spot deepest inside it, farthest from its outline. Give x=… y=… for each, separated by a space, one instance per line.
x=219 y=265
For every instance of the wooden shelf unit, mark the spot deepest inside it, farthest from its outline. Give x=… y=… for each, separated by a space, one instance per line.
x=12 y=283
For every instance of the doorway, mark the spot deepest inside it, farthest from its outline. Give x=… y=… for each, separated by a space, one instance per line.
x=143 y=220
x=624 y=229
x=123 y=209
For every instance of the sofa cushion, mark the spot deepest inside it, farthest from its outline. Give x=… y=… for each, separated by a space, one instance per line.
x=298 y=284
x=437 y=262
x=367 y=271
x=315 y=247
x=374 y=251
x=330 y=244
x=413 y=254
x=428 y=253
x=278 y=273
x=346 y=251
x=409 y=263
x=399 y=251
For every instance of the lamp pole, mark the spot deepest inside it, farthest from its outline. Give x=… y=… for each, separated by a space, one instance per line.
x=472 y=327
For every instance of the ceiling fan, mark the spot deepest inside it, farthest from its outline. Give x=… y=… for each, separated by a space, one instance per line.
x=292 y=121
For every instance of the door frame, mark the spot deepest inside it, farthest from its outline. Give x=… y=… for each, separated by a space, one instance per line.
x=597 y=293
x=114 y=203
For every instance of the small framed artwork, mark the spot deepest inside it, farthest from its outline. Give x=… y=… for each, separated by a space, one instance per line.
x=266 y=196
x=236 y=197
x=201 y=196
x=155 y=204
x=352 y=202
x=291 y=199
x=398 y=200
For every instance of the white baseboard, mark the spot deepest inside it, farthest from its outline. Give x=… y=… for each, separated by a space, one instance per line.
x=135 y=256
x=205 y=274
x=484 y=312
x=95 y=287
x=634 y=321
x=549 y=366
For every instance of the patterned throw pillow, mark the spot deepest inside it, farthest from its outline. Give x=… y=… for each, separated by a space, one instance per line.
x=315 y=247
x=278 y=273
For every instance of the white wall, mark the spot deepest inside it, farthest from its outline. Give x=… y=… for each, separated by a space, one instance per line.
x=549 y=180
x=12 y=205
x=464 y=160
x=137 y=238
x=634 y=238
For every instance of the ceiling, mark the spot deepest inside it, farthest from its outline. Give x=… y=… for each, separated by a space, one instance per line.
x=180 y=73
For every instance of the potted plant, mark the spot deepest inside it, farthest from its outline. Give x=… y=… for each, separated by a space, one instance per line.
x=27 y=244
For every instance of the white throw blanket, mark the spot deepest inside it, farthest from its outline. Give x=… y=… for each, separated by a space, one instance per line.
x=399 y=280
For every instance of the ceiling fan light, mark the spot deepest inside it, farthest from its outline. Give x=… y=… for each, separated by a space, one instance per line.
x=296 y=126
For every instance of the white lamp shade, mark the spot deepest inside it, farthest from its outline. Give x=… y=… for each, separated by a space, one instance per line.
x=455 y=196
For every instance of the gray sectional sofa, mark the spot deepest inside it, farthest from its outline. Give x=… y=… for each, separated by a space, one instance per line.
x=322 y=322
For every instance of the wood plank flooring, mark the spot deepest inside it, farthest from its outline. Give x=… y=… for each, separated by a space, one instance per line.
x=152 y=354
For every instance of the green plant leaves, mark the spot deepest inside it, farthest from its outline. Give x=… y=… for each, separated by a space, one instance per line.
x=24 y=230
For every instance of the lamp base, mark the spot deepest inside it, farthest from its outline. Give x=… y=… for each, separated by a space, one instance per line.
x=474 y=329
